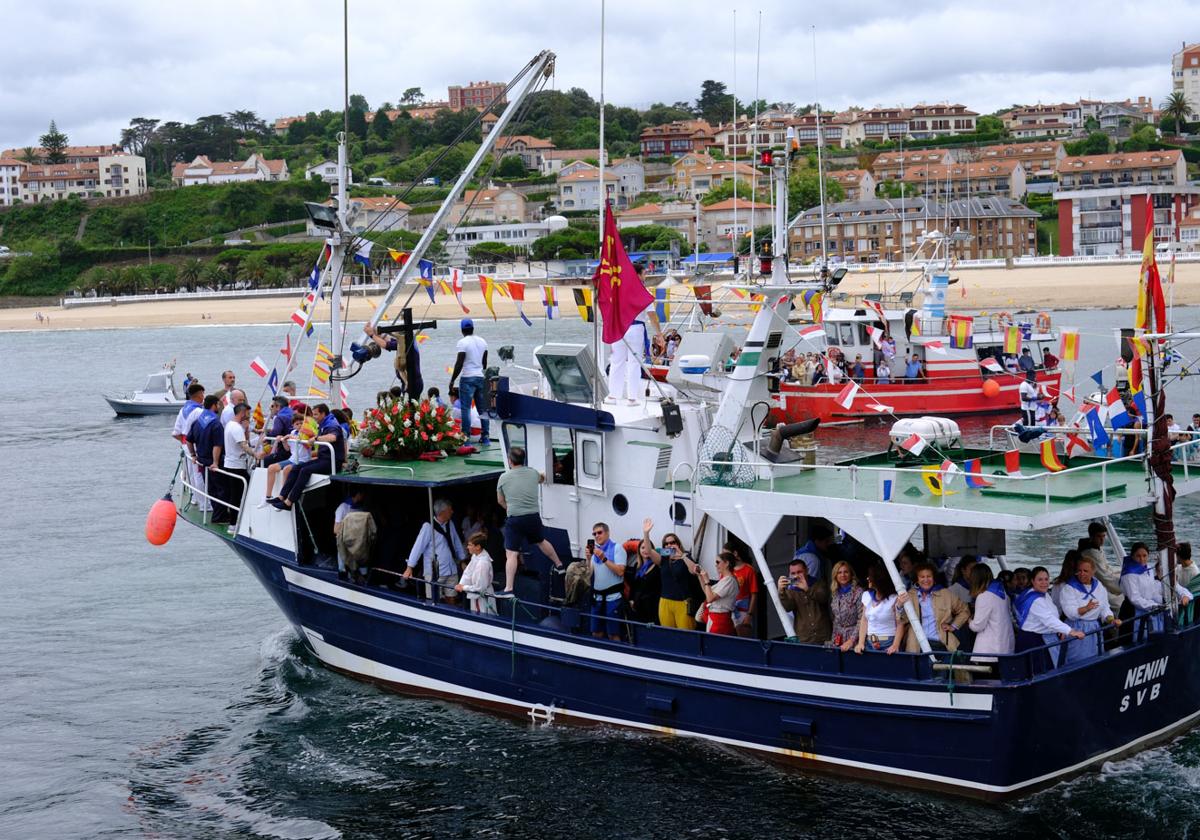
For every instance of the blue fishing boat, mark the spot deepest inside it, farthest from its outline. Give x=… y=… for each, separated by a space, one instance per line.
x=695 y=453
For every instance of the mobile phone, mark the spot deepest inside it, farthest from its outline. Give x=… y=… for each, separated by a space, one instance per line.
x=591 y=546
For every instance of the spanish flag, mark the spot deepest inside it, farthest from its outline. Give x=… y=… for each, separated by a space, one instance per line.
x=1012 y=340
x=1050 y=458
x=399 y=256
x=257 y=417
x=1150 y=294
x=583 y=301
x=1068 y=348
x=960 y=331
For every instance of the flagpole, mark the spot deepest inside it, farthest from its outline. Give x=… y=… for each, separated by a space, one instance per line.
x=733 y=237
x=599 y=234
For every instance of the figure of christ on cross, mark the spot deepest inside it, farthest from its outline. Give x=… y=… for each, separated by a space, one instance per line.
x=408 y=357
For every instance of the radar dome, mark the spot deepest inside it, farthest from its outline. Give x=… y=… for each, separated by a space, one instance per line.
x=556 y=223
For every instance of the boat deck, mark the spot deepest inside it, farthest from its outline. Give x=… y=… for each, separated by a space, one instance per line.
x=485 y=464
x=1031 y=498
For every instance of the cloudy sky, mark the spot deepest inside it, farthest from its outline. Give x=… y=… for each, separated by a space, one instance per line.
x=93 y=64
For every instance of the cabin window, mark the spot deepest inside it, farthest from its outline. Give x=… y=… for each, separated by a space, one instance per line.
x=589 y=460
x=831 y=335
x=514 y=435
x=562 y=456
x=847 y=334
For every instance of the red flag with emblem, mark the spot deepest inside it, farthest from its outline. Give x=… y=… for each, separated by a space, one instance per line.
x=620 y=293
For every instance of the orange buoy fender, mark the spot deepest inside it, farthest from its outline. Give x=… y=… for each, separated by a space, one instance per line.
x=160 y=522
x=991 y=388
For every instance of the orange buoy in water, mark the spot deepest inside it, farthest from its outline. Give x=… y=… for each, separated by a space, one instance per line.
x=991 y=388
x=160 y=522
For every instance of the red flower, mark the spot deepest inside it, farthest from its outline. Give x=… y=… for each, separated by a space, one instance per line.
x=424 y=436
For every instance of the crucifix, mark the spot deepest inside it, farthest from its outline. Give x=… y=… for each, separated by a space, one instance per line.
x=408 y=357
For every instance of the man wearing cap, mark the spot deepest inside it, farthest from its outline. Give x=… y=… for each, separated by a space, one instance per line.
x=471 y=361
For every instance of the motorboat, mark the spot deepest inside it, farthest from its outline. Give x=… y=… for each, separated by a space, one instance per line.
x=157 y=397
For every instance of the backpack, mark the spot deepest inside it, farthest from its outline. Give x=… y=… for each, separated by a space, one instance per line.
x=577 y=583
x=356 y=539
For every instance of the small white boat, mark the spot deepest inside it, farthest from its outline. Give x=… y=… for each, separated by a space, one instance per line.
x=158 y=397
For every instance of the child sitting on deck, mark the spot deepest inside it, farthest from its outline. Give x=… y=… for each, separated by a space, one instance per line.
x=300 y=453
x=476 y=579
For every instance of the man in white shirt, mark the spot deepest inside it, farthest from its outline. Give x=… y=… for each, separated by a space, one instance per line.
x=236 y=458
x=236 y=396
x=1029 y=399
x=441 y=549
x=471 y=362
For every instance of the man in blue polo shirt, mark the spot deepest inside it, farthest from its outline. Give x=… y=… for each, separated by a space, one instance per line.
x=329 y=431
x=608 y=582
x=204 y=435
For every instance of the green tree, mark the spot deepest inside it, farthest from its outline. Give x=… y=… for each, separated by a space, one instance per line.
x=725 y=190
x=247 y=123
x=511 y=166
x=1096 y=143
x=1177 y=108
x=1141 y=140
x=381 y=126
x=989 y=125
x=29 y=155
x=897 y=189
x=659 y=114
x=654 y=238
x=53 y=144
x=491 y=252
x=804 y=191
x=570 y=243
x=358 y=102
x=358 y=123
x=714 y=103
x=412 y=96
x=189 y=273
x=1091 y=125
x=254 y=268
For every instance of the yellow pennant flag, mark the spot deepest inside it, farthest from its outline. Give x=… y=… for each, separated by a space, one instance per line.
x=488 y=285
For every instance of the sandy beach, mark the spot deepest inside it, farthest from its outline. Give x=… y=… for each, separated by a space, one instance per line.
x=977 y=290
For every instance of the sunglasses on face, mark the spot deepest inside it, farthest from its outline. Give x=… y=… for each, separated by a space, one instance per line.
x=598 y=533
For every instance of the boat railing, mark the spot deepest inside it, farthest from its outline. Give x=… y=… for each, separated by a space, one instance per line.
x=863 y=475
x=1182 y=452
x=185 y=477
x=786 y=654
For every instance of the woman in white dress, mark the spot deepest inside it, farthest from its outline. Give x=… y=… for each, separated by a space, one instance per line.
x=1142 y=587
x=476 y=579
x=1037 y=614
x=1085 y=605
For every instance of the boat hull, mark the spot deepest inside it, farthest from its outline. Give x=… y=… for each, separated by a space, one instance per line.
x=138 y=408
x=890 y=719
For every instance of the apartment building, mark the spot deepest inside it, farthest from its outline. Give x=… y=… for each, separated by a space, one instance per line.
x=855 y=183
x=694 y=181
x=723 y=224
x=676 y=138
x=940 y=120
x=1185 y=76
x=554 y=160
x=491 y=205
x=885 y=230
x=110 y=176
x=834 y=129
x=514 y=234
x=964 y=180
x=73 y=154
x=580 y=190
x=10 y=178
x=1101 y=200
x=477 y=95
x=529 y=148
x=742 y=138
x=204 y=171
x=1057 y=120
x=1040 y=160
x=677 y=215
x=888 y=165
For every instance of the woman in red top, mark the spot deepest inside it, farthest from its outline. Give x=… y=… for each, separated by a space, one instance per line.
x=747 y=597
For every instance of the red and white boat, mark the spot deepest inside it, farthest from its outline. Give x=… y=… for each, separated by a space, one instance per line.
x=953 y=381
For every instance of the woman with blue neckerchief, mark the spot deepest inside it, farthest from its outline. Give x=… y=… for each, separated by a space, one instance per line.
x=1085 y=604
x=1037 y=615
x=1142 y=587
x=992 y=622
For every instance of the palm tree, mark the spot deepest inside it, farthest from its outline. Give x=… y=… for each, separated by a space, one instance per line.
x=1177 y=108
x=189 y=274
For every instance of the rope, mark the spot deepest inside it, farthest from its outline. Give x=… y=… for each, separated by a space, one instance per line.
x=307 y=527
x=950 y=675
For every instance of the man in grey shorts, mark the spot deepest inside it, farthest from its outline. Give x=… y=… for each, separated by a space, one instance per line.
x=440 y=547
x=517 y=493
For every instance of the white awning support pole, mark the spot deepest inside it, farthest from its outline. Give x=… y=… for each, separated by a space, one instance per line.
x=768 y=578
x=889 y=549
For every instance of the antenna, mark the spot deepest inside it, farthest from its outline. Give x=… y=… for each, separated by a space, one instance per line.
x=820 y=158
x=754 y=139
x=598 y=350
x=733 y=235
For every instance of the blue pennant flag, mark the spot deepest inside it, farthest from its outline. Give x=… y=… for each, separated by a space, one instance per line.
x=425 y=267
x=363 y=255
x=273 y=382
x=1099 y=377
x=1096 y=425
x=314 y=279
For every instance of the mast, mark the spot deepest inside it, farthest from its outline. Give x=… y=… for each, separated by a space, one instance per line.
x=820 y=159
x=338 y=242
x=754 y=141
x=597 y=349
x=733 y=237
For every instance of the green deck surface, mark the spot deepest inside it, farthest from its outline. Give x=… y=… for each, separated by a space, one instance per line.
x=1042 y=493
x=484 y=464
x=194 y=516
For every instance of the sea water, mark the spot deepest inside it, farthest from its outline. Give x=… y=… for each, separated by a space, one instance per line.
x=158 y=692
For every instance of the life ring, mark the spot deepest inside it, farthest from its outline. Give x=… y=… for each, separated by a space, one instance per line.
x=1004 y=319
x=1043 y=322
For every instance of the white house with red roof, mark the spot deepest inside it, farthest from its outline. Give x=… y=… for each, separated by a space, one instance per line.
x=202 y=170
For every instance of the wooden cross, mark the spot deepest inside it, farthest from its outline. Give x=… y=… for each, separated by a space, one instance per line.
x=408 y=365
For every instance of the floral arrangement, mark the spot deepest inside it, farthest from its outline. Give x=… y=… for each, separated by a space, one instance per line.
x=404 y=430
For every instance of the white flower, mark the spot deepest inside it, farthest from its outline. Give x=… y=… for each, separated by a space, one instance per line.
x=407 y=423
